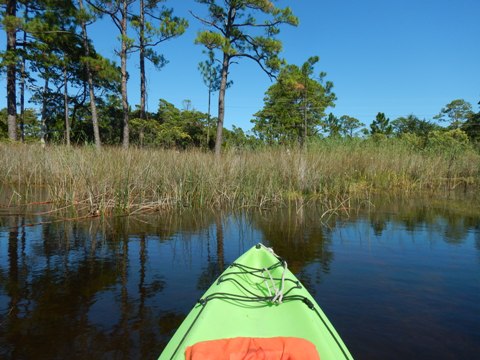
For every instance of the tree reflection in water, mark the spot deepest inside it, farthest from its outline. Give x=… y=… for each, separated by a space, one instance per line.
x=119 y=287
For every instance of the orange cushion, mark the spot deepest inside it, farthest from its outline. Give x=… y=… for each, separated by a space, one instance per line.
x=242 y=348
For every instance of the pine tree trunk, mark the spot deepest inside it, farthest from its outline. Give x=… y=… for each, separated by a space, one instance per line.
x=223 y=84
x=93 y=109
x=22 y=83
x=44 y=113
x=123 y=56
x=65 y=101
x=305 y=124
x=142 y=62
x=93 y=105
x=221 y=105
x=143 y=91
x=208 y=115
x=11 y=74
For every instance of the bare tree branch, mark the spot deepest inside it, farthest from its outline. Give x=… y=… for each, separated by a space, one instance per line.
x=275 y=23
x=206 y=22
x=270 y=74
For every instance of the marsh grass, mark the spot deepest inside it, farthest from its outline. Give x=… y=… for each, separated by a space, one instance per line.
x=117 y=181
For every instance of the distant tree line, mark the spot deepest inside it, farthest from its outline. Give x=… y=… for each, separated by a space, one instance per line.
x=295 y=112
x=80 y=96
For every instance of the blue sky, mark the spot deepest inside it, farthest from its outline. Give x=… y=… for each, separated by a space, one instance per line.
x=397 y=57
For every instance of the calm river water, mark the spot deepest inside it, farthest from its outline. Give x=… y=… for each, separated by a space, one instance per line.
x=398 y=280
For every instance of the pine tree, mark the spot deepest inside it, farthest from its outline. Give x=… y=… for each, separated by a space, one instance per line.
x=381 y=125
x=154 y=25
x=294 y=106
x=456 y=113
x=211 y=78
x=11 y=24
x=83 y=17
x=118 y=11
x=349 y=125
x=233 y=31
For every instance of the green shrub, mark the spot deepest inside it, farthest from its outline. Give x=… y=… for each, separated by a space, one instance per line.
x=450 y=140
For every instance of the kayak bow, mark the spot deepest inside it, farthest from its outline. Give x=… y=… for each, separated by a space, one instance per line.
x=257 y=297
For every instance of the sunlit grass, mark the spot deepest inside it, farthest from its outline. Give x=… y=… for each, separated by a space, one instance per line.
x=139 y=180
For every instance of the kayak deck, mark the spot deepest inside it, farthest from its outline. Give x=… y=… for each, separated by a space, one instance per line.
x=257 y=296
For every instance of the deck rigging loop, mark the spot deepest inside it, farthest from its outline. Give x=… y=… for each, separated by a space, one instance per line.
x=278 y=292
x=275 y=290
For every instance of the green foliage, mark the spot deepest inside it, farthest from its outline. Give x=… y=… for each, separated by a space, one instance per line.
x=110 y=116
x=211 y=73
x=158 y=25
x=331 y=125
x=233 y=29
x=31 y=125
x=52 y=47
x=212 y=40
x=231 y=23
x=413 y=141
x=472 y=127
x=379 y=138
x=381 y=125
x=10 y=24
x=105 y=72
x=238 y=139
x=349 y=125
x=294 y=105
x=413 y=130
x=172 y=135
x=454 y=140
x=413 y=125
x=171 y=128
x=3 y=124
x=456 y=113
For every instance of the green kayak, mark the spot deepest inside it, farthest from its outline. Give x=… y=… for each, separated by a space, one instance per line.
x=257 y=297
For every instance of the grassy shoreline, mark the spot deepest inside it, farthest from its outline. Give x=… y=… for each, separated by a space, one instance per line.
x=114 y=180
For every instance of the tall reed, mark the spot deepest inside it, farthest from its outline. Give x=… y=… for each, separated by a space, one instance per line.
x=138 y=180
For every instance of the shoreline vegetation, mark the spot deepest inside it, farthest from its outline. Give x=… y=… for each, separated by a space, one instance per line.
x=79 y=97
x=329 y=173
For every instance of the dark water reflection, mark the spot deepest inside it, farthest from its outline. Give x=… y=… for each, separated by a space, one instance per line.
x=398 y=280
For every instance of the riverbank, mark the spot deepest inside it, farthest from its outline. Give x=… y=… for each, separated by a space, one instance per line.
x=114 y=180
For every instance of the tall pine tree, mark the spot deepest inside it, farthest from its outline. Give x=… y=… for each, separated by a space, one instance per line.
x=233 y=30
x=154 y=24
x=11 y=23
x=118 y=11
